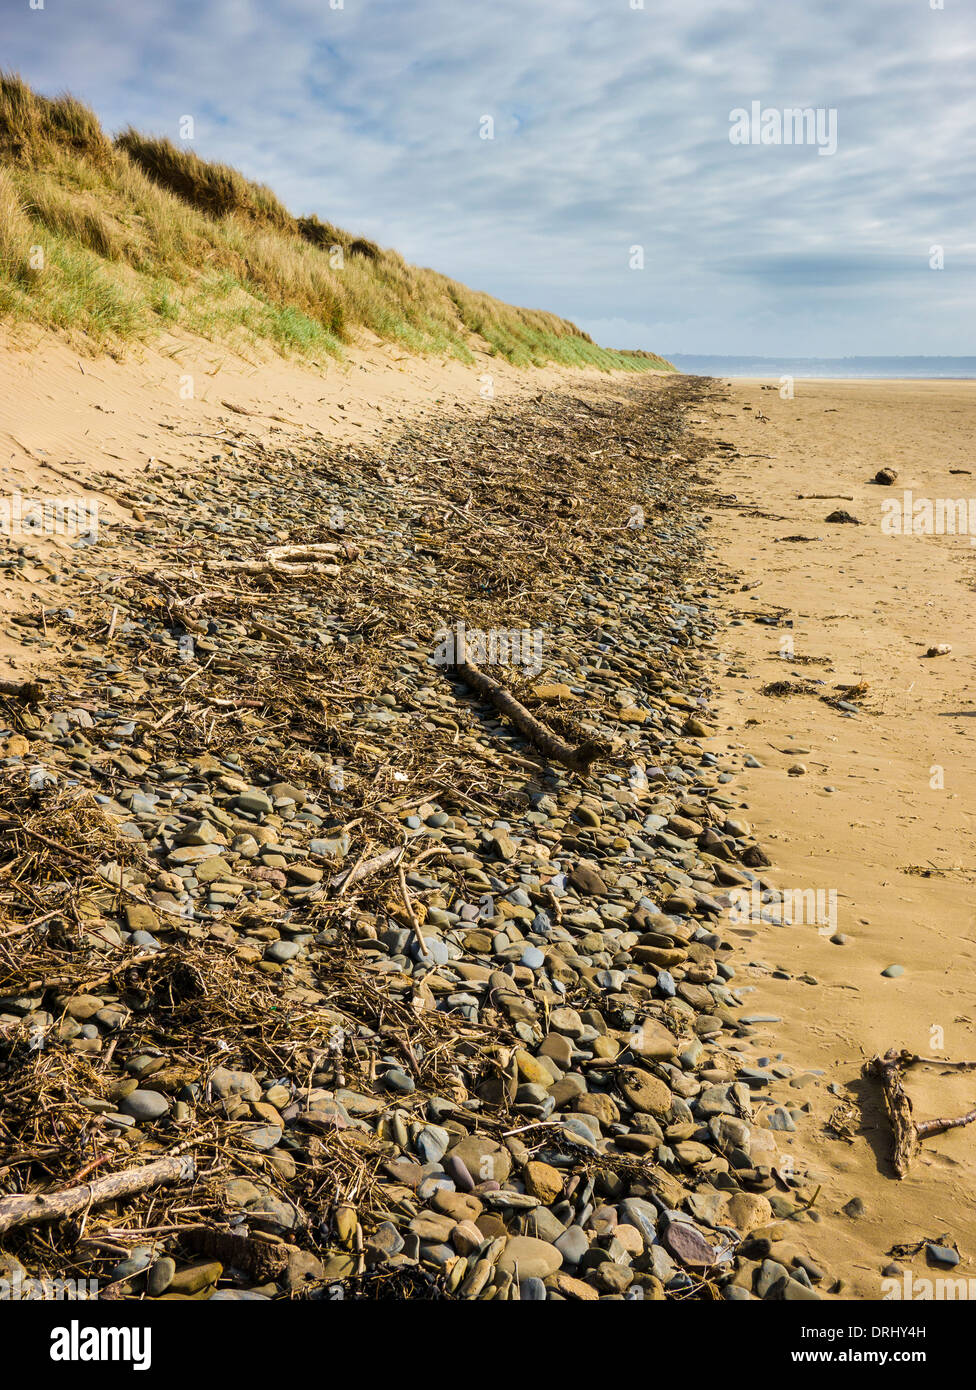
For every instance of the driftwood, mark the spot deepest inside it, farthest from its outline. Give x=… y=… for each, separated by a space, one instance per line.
x=907 y=1132
x=291 y=560
x=28 y=691
x=34 y=1207
x=550 y=745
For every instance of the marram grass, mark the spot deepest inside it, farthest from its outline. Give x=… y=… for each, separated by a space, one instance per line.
x=120 y=240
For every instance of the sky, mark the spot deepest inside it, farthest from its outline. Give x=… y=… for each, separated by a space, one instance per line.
x=610 y=191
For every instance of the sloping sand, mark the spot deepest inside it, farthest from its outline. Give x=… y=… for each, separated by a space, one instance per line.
x=872 y=817
x=65 y=417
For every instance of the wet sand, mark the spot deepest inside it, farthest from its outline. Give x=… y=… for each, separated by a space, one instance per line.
x=884 y=813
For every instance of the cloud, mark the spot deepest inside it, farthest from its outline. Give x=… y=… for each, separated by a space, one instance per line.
x=611 y=128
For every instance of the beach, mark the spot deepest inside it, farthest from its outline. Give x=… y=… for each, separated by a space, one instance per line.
x=635 y=912
x=883 y=814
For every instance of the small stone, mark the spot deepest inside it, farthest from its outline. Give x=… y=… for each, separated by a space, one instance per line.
x=195 y=1278
x=145 y=1105
x=527 y=1257
x=941 y=1255
x=161 y=1276
x=687 y=1244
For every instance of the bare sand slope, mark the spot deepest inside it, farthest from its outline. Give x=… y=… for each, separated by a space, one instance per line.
x=65 y=417
x=884 y=813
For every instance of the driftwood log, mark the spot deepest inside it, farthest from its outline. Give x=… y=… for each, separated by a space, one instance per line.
x=550 y=745
x=34 y=1207
x=28 y=691
x=291 y=560
x=907 y=1133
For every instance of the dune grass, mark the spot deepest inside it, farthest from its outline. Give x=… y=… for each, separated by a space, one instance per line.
x=118 y=240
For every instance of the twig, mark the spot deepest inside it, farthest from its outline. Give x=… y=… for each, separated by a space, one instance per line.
x=414 y=924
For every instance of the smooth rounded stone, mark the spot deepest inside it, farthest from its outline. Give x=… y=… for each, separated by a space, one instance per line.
x=263 y=1137
x=386 y=1239
x=195 y=1277
x=283 y=951
x=83 y=1006
x=612 y=1278
x=528 y=1257
x=161 y=1276
x=650 y=1040
x=145 y=1105
x=714 y=1100
x=779 y=1118
x=397 y=1080
x=436 y=951
x=645 y=1092
x=941 y=1254
x=483 y=1158
x=532 y=1290
x=641 y=1216
x=581 y=1131
x=533 y=958
x=566 y=1021
x=892 y=972
x=462 y=1206
x=542 y=1181
x=145 y=939
x=771 y=1277
x=798 y=1292
x=427 y=1187
x=139 y=1258
x=224 y=1084
x=433 y=1226
x=543 y=1224
x=238 y=1296
x=558 y=1048
x=432 y=1143
x=572 y=1245
x=458 y=1170
x=729 y=1132
x=531 y=1070
x=688 y=1245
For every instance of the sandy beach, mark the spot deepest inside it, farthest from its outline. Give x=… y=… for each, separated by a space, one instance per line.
x=883 y=813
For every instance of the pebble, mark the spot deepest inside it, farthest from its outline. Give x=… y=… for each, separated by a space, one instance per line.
x=574 y=968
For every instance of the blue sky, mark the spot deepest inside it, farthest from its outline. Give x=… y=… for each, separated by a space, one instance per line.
x=611 y=130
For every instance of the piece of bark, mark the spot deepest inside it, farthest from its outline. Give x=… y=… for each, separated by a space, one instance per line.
x=260 y=1259
x=34 y=1207
x=550 y=745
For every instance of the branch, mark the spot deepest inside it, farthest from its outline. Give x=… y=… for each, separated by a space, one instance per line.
x=553 y=748
x=55 y=1206
x=907 y=1132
